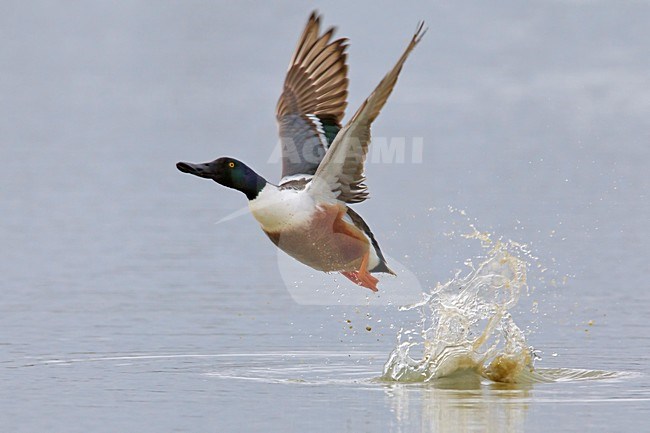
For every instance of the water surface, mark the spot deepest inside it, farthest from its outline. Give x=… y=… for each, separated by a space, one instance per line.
x=126 y=308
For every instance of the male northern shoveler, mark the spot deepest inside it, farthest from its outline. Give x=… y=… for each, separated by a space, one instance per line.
x=307 y=214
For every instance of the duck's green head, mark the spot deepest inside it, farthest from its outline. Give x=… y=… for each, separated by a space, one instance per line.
x=228 y=172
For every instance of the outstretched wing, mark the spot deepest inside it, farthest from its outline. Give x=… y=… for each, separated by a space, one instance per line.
x=341 y=170
x=313 y=100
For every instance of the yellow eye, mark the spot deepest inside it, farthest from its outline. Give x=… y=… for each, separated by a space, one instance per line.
x=231 y=164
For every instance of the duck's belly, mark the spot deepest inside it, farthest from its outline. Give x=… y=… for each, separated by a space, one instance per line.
x=325 y=242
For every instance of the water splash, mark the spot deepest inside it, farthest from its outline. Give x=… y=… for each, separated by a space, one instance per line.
x=466 y=327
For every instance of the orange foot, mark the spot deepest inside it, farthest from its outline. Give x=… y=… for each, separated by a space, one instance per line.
x=362 y=277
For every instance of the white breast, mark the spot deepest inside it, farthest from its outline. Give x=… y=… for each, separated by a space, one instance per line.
x=279 y=209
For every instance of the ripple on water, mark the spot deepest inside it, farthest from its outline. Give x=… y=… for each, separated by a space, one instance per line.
x=357 y=368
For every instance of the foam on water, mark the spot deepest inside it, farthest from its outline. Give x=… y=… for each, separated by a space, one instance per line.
x=466 y=327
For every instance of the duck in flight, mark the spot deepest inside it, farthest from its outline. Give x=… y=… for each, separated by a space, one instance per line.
x=307 y=213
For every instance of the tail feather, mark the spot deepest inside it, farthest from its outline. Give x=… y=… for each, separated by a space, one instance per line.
x=359 y=222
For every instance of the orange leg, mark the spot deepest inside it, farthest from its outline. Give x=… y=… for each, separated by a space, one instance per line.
x=362 y=277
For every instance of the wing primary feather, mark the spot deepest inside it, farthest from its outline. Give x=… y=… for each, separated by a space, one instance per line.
x=315 y=88
x=341 y=171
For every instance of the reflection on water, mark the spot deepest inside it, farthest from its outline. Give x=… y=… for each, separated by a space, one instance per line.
x=465 y=406
x=465 y=402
